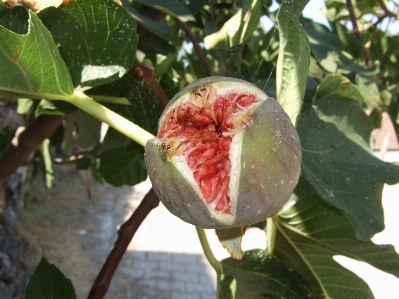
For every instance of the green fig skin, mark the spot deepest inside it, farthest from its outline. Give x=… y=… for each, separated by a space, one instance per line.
x=267 y=169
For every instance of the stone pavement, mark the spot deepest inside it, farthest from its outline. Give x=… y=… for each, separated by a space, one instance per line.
x=165 y=259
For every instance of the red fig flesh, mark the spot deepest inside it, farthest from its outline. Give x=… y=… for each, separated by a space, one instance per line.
x=225 y=154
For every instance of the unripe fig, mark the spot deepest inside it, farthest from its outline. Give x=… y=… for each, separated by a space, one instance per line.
x=225 y=154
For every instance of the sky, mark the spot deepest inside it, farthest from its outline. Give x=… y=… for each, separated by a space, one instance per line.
x=313 y=10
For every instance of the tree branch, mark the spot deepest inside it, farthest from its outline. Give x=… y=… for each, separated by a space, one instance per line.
x=150 y=201
x=387 y=12
x=358 y=33
x=353 y=19
x=197 y=47
x=25 y=142
x=125 y=235
x=146 y=73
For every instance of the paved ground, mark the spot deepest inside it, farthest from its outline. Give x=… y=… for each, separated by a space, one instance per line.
x=165 y=259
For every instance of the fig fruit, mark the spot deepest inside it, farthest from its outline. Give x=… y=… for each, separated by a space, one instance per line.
x=225 y=155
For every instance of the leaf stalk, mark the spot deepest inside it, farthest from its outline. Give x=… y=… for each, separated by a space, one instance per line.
x=270 y=234
x=207 y=250
x=111 y=118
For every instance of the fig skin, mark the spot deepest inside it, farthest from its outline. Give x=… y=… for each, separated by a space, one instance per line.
x=269 y=167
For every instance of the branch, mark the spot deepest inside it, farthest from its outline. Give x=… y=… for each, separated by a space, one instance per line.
x=150 y=201
x=146 y=73
x=387 y=12
x=358 y=33
x=197 y=47
x=353 y=19
x=25 y=142
x=125 y=235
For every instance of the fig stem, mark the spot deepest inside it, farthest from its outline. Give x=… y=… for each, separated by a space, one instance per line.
x=270 y=234
x=111 y=118
x=207 y=250
x=111 y=100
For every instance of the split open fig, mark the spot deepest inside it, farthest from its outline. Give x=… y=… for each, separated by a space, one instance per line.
x=225 y=155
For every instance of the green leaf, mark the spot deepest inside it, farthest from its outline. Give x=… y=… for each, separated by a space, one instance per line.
x=54 y=107
x=24 y=105
x=48 y=282
x=48 y=163
x=369 y=90
x=144 y=106
x=260 y=275
x=114 y=139
x=83 y=163
x=123 y=166
x=97 y=40
x=339 y=85
x=227 y=287
x=31 y=64
x=174 y=8
x=310 y=233
x=293 y=60
x=86 y=127
x=197 y=6
x=161 y=68
x=294 y=7
x=233 y=60
x=15 y=20
x=158 y=28
x=151 y=43
x=237 y=29
x=339 y=165
x=327 y=48
x=325 y=45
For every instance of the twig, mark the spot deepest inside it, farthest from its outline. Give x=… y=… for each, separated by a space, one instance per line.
x=149 y=202
x=197 y=47
x=25 y=142
x=353 y=19
x=387 y=12
x=358 y=33
x=146 y=73
x=125 y=235
x=87 y=183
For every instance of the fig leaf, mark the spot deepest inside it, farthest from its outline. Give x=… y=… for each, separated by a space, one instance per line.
x=306 y=239
x=335 y=135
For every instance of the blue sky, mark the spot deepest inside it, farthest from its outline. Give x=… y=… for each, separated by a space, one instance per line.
x=313 y=10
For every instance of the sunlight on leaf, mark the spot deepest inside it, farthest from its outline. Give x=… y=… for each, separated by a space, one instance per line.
x=160 y=29
x=293 y=60
x=238 y=29
x=338 y=84
x=334 y=136
x=260 y=274
x=175 y=8
x=97 y=40
x=310 y=233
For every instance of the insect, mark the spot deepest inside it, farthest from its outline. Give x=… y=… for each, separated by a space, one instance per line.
x=165 y=148
x=197 y=90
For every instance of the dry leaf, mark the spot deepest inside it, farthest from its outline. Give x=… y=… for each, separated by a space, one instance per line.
x=231 y=239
